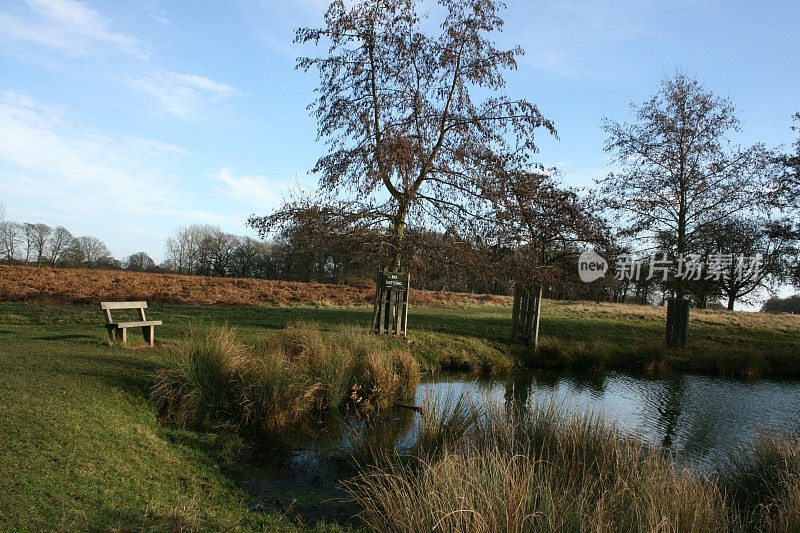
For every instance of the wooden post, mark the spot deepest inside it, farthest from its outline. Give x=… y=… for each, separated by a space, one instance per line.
x=536 y=313
x=677 y=333
x=525 y=314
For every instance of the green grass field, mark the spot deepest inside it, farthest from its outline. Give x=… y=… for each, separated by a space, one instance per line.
x=83 y=448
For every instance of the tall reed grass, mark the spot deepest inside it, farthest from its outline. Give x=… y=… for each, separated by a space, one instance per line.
x=210 y=377
x=549 y=468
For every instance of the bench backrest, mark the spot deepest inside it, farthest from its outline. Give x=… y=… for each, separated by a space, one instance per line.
x=108 y=306
x=123 y=305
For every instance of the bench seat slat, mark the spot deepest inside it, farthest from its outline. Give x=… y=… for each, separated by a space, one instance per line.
x=135 y=324
x=123 y=305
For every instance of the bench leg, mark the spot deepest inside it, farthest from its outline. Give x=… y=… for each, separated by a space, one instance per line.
x=122 y=335
x=148 y=334
x=111 y=333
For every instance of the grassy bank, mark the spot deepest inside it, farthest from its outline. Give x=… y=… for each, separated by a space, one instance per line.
x=573 y=334
x=550 y=469
x=84 y=448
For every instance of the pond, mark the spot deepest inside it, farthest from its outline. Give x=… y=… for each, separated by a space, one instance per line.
x=699 y=418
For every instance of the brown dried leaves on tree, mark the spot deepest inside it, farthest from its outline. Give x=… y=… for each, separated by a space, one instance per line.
x=407 y=137
x=540 y=225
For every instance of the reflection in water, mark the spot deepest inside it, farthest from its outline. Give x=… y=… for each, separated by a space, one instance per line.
x=699 y=418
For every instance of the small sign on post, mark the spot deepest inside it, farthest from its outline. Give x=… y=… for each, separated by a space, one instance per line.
x=395 y=281
x=390 y=315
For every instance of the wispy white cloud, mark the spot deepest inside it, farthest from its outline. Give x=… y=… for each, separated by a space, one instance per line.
x=183 y=95
x=67 y=25
x=254 y=191
x=68 y=168
x=74 y=29
x=155 y=11
x=566 y=37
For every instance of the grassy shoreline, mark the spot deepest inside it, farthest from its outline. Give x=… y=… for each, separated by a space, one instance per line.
x=576 y=335
x=548 y=468
x=211 y=378
x=85 y=449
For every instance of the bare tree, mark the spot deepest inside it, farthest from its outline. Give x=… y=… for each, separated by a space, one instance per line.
x=245 y=258
x=93 y=251
x=201 y=249
x=28 y=231
x=787 y=189
x=538 y=224
x=59 y=242
x=178 y=252
x=222 y=248
x=186 y=249
x=751 y=255
x=10 y=239
x=39 y=234
x=399 y=110
x=679 y=171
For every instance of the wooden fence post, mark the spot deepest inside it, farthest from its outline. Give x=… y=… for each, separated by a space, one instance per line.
x=677 y=333
x=525 y=314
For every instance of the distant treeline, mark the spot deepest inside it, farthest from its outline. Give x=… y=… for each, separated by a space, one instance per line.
x=436 y=261
x=206 y=250
x=790 y=304
x=41 y=245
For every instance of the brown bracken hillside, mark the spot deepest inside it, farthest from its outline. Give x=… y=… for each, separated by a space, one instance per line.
x=86 y=286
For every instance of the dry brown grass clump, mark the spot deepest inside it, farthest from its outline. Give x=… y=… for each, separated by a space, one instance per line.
x=547 y=467
x=544 y=469
x=212 y=379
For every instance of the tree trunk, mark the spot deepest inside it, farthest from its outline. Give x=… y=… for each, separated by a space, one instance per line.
x=731 y=300
x=399 y=235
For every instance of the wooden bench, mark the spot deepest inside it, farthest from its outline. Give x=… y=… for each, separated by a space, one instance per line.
x=119 y=329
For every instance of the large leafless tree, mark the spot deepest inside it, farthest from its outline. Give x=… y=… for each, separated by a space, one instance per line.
x=787 y=189
x=408 y=117
x=679 y=170
x=58 y=244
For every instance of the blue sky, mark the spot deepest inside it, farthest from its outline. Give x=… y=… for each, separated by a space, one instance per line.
x=125 y=120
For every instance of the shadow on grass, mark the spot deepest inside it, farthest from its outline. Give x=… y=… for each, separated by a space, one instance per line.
x=445 y=320
x=126 y=373
x=137 y=385
x=62 y=337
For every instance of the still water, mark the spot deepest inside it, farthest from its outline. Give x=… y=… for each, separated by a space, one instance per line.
x=698 y=417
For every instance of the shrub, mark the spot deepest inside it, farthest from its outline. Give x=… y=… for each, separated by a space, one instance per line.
x=764 y=474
